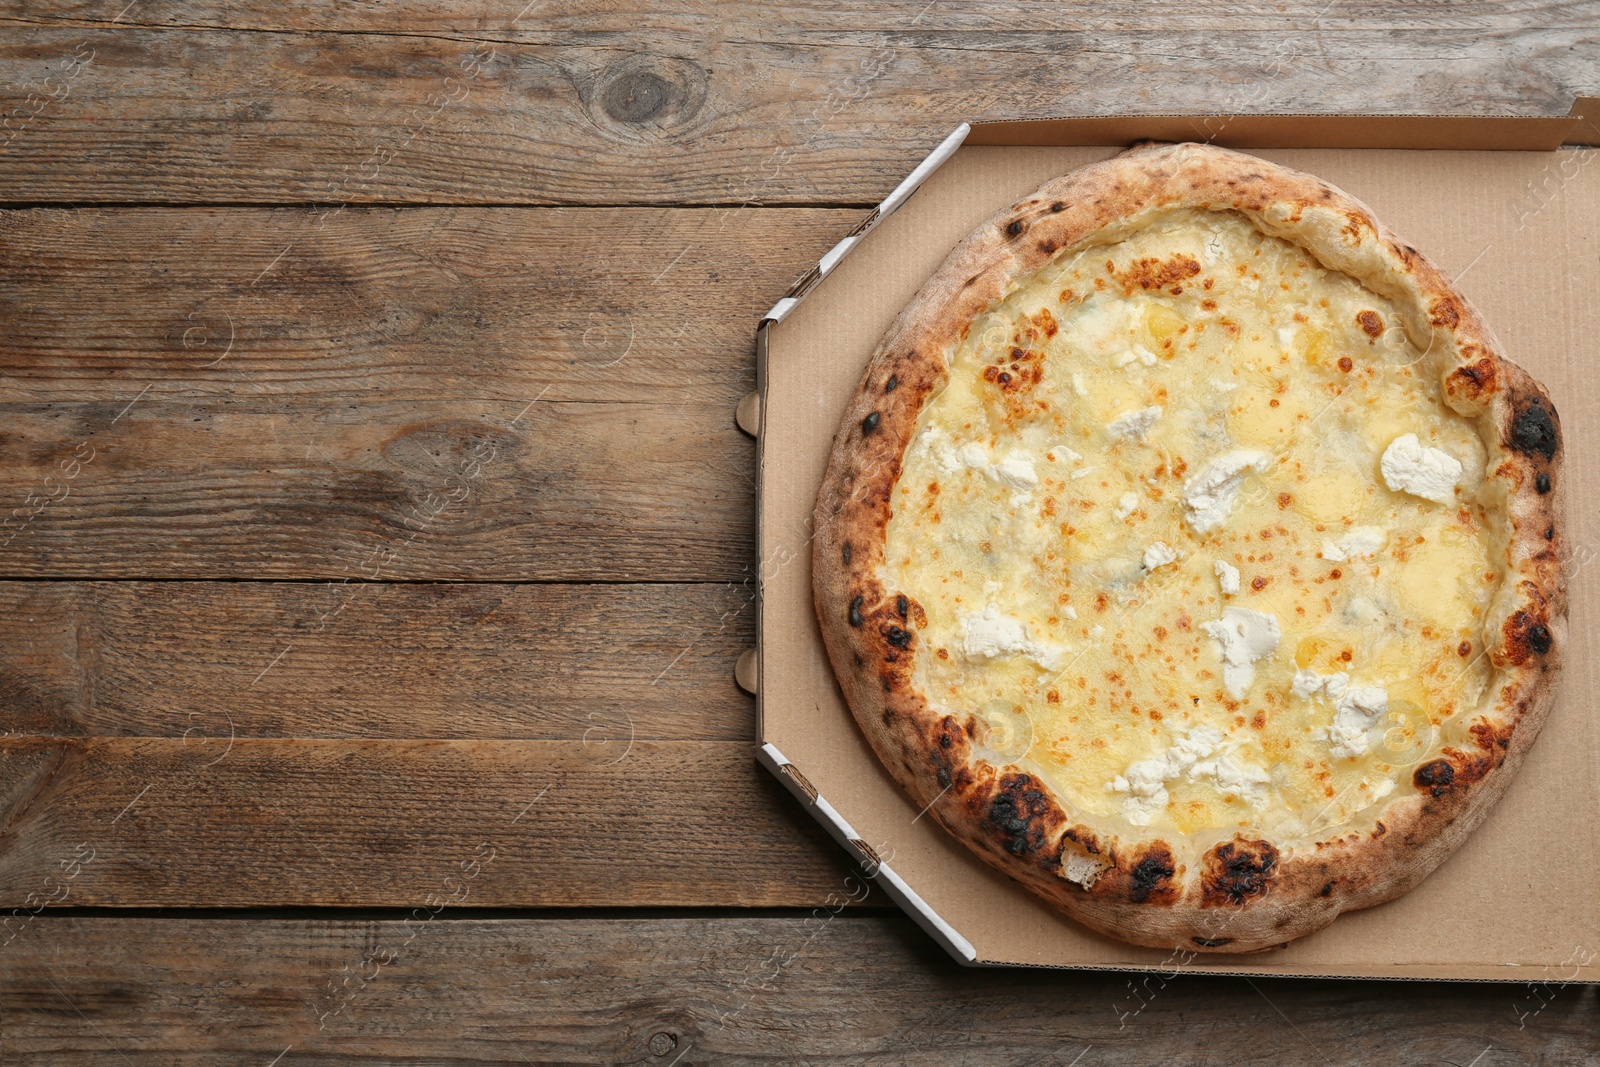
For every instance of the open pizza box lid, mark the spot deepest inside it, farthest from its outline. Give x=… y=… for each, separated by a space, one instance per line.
x=1509 y=208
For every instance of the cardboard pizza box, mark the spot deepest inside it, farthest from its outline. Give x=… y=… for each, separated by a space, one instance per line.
x=1510 y=209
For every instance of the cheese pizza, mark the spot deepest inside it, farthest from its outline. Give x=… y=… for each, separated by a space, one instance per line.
x=1191 y=550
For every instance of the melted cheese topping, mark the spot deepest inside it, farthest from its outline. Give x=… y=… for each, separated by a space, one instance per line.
x=1168 y=547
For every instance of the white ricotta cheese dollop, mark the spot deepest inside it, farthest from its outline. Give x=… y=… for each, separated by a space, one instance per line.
x=1133 y=425
x=988 y=634
x=1159 y=555
x=1016 y=470
x=1409 y=466
x=1360 y=541
x=975 y=456
x=1356 y=709
x=941 y=448
x=1243 y=636
x=1355 y=712
x=1125 y=505
x=1203 y=752
x=1209 y=496
x=1227 y=577
x=1135 y=353
x=1308 y=684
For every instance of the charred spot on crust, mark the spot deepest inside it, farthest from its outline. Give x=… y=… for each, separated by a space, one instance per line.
x=949 y=731
x=1474 y=379
x=1470 y=767
x=1019 y=812
x=855 y=612
x=1151 y=874
x=1058 y=206
x=1445 y=313
x=893 y=382
x=1047 y=247
x=1534 y=430
x=902 y=605
x=1370 y=324
x=1488 y=738
x=1538 y=636
x=946 y=759
x=1326 y=891
x=1237 y=870
x=1015 y=228
x=897 y=637
x=971 y=281
x=1212 y=942
x=1525 y=634
x=1549 y=533
x=1435 y=777
x=847 y=552
x=1541 y=483
x=870 y=423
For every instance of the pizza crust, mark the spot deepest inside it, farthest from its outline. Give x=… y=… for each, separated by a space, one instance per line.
x=1247 y=893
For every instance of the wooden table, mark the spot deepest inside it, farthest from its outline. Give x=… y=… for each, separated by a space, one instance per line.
x=378 y=540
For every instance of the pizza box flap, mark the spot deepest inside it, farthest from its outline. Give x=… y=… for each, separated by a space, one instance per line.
x=1519 y=901
x=1430 y=132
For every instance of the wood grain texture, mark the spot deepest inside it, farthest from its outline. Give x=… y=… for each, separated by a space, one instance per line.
x=205 y=821
x=819 y=989
x=743 y=103
x=383 y=490
x=374 y=660
x=259 y=308
x=430 y=394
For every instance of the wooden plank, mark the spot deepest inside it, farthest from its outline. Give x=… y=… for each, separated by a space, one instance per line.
x=849 y=989
x=399 y=395
x=618 y=105
x=374 y=660
x=259 y=306
x=493 y=20
x=466 y=490
x=607 y=820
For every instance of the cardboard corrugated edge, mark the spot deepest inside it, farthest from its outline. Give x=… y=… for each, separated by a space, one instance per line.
x=1579 y=128
x=873 y=866
x=1586 y=130
x=901 y=193
x=748 y=414
x=1246 y=132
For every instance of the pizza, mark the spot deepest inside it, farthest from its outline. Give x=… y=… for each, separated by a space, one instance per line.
x=1191 y=552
